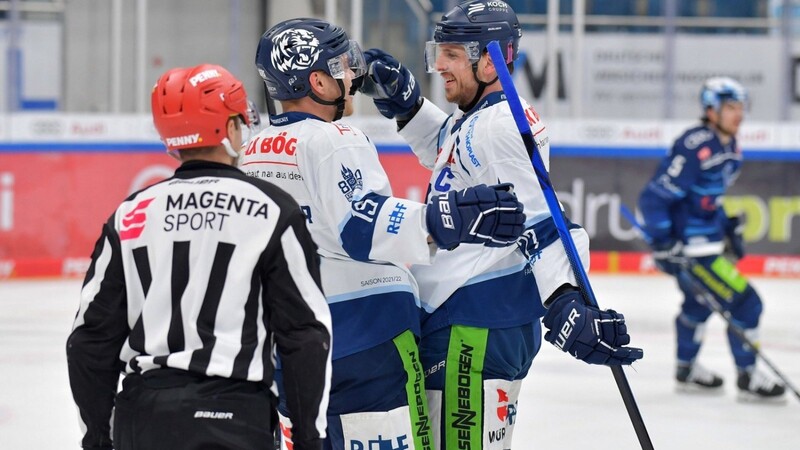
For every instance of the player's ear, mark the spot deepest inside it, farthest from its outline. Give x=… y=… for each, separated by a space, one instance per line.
x=486 y=68
x=232 y=126
x=316 y=82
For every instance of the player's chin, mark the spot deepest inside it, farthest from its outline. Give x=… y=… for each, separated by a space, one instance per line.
x=451 y=94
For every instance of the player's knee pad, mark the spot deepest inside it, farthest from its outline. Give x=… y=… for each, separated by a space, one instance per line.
x=690 y=333
x=694 y=323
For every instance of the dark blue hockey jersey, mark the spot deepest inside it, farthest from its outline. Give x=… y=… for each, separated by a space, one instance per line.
x=682 y=201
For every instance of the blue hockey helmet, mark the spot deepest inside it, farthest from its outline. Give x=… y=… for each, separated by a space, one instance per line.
x=289 y=51
x=718 y=90
x=474 y=24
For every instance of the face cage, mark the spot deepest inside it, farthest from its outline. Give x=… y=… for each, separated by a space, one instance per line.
x=352 y=59
x=442 y=57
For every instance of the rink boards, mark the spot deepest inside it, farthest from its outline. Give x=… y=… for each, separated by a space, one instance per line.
x=62 y=176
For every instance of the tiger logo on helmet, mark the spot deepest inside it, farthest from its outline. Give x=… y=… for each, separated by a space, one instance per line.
x=294 y=49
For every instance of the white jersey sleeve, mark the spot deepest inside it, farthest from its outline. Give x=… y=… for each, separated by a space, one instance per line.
x=422 y=133
x=353 y=193
x=484 y=147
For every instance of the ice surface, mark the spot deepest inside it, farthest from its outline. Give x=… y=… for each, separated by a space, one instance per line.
x=564 y=403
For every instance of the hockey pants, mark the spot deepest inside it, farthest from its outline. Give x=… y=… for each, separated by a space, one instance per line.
x=171 y=409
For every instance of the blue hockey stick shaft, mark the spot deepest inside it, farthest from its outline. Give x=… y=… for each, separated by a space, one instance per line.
x=541 y=174
x=563 y=232
x=702 y=291
x=632 y=219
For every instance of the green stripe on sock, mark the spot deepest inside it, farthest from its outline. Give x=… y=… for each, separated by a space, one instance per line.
x=463 y=388
x=415 y=391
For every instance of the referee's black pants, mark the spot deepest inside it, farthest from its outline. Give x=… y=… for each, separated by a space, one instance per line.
x=171 y=409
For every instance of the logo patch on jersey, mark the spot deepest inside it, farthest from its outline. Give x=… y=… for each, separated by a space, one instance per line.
x=396 y=218
x=351 y=182
x=703 y=153
x=698 y=137
x=528 y=244
x=343 y=128
x=133 y=222
x=294 y=49
x=468 y=142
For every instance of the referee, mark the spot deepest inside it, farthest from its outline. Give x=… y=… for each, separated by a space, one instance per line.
x=192 y=282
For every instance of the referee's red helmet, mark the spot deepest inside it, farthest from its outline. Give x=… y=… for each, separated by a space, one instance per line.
x=191 y=106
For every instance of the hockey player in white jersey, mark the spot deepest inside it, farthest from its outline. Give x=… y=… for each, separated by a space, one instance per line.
x=482 y=305
x=366 y=236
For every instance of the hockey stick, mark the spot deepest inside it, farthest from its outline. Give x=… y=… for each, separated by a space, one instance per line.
x=563 y=232
x=697 y=287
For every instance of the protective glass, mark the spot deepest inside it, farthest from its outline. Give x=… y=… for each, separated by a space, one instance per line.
x=352 y=59
x=450 y=56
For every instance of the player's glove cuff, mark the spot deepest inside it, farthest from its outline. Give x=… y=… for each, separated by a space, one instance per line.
x=587 y=333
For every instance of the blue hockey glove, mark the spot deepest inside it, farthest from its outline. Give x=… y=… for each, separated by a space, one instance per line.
x=588 y=334
x=489 y=215
x=668 y=256
x=392 y=86
x=734 y=241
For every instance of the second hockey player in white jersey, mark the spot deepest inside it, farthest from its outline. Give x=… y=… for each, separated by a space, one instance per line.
x=366 y=236
x=482 y=305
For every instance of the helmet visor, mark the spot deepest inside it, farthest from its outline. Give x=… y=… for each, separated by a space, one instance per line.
x=450 y=56
x=251 y=125
x=352 y=59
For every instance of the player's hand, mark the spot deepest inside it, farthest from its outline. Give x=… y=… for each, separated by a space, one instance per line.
x=587 y=333
x=392 y=86
x=668 y=256
x=489 y=215
x=734 y=240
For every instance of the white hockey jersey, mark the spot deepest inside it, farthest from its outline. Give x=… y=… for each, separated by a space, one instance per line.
x=366 y=237
x=478 y=285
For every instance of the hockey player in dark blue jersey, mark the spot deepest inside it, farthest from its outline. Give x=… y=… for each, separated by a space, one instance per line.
x=692 y=236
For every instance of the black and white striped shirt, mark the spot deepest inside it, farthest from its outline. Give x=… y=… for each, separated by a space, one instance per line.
x=199 y=272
